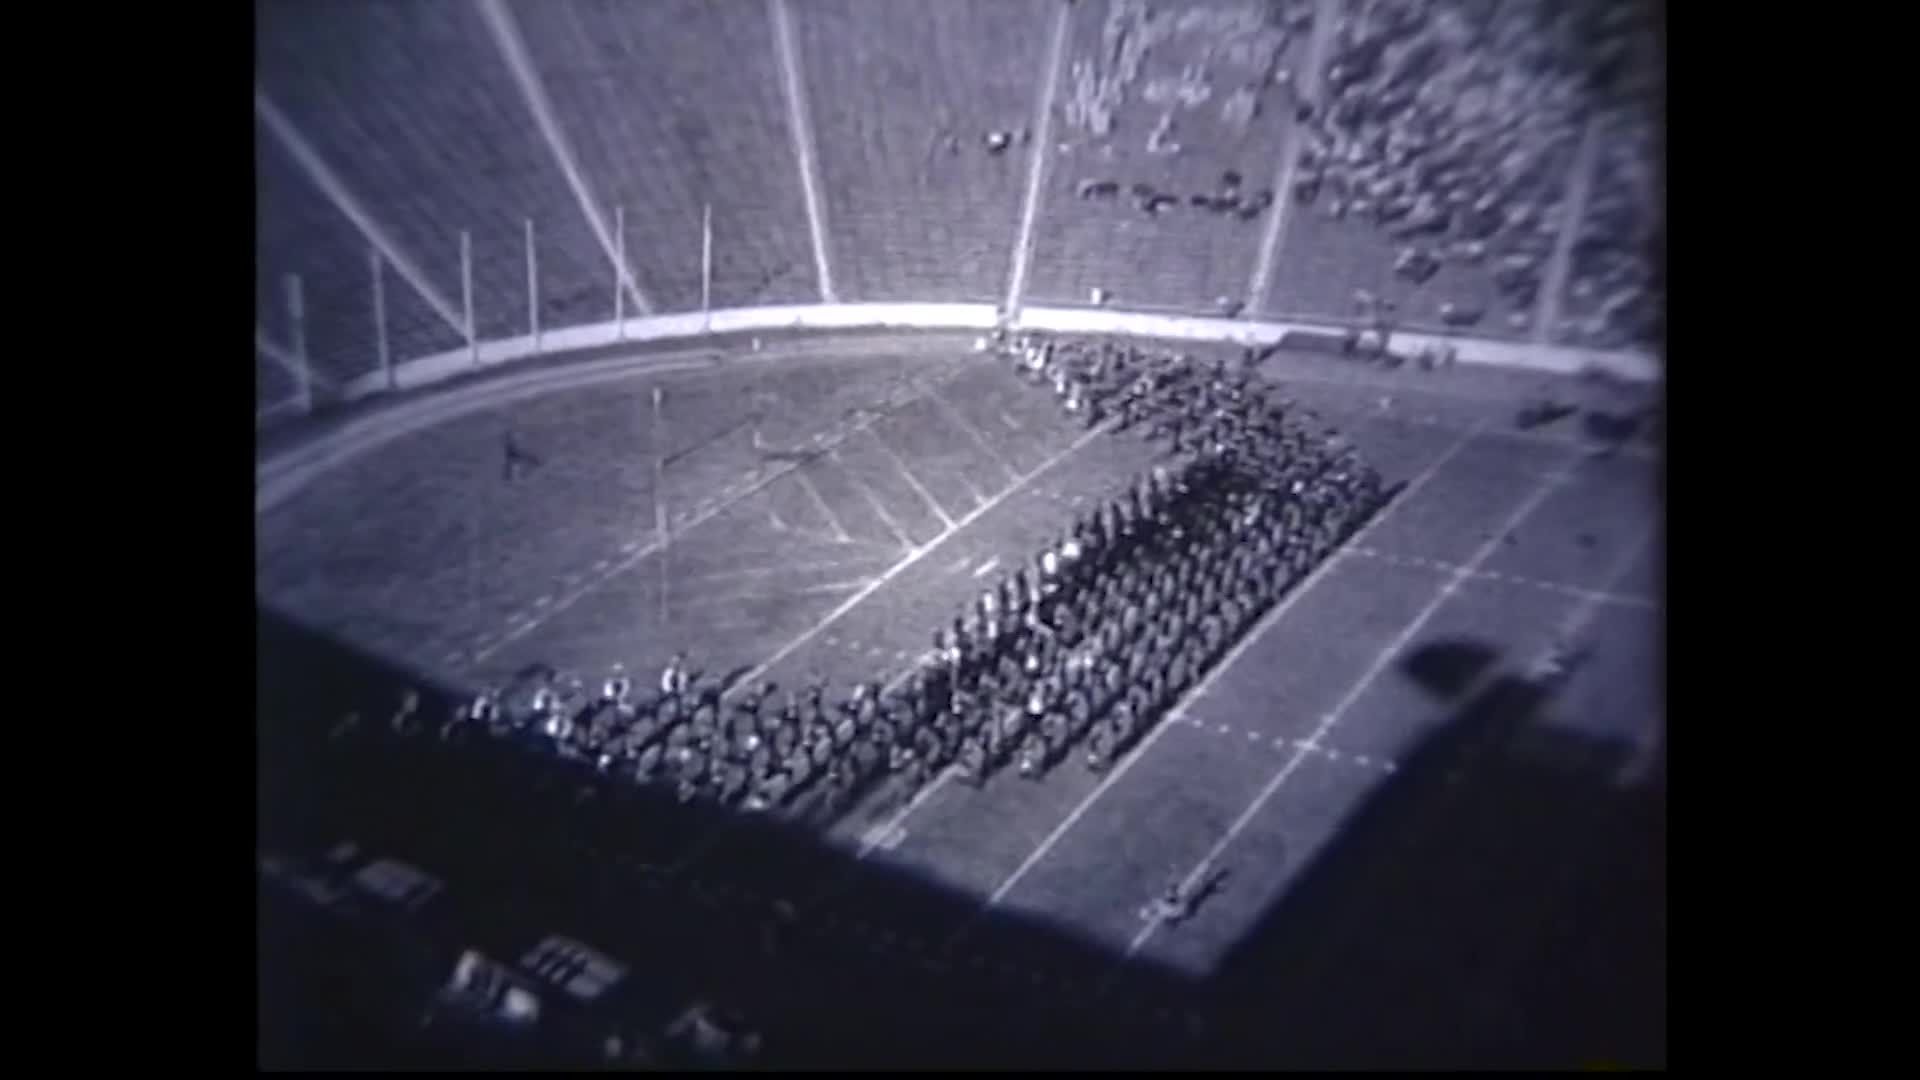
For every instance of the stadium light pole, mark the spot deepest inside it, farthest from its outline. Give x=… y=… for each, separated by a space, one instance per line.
x=1573 y=215
x=297 y=330
x=533 y=289
x=706 y=267
x=384 y=350
x=660 y=498
x=466 y=293
x=620 y=272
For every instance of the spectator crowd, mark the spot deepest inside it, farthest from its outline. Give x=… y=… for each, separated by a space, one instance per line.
x=1452 y=127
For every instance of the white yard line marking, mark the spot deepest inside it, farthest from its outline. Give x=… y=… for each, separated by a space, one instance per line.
x=971 y=490
x=781 y=594
x=768 y=571
x=833 y=520
x=1012 y=424
x=893 y=828
x=912 y=480
x=851 y=541
x=873 y=500
x=919 y=553
x=663 y=533
x=1592 y=600
x=1576 y=623
x=1037 y=166
x=777 y=525
x=854 y=601
x=972 y=432
x=1367 y=678
x=1595 y=596
x=686 y=522
x=1180 y=709
x=986 y=568
x=1329 y=949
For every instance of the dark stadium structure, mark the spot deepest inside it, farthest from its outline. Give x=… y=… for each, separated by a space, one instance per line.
x=959 y=533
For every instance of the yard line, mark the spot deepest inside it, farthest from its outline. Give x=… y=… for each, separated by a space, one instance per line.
x=874 y=586
x=839 y=531
x=827 y=539
x=780 y=594
x=1576 y=623
x=1591 y=601
x=915 y=556
x=1380 y=663
x=1593 y=596
x=574 y=596
x=873 y=500
x=912 y=479
x=663 y=533
x=973 y=432
x=1328 y=950
x=764 y=571
x=1179 y=711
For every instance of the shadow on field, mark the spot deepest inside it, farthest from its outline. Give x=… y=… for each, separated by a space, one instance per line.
x=529 y=847
x=1418 y=938
x=1499 y=904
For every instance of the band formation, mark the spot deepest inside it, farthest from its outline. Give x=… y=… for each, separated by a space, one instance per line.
x=1072 y=656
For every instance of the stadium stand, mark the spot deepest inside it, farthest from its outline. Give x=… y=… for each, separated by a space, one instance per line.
x=1615 y=293
x=671 y=105
x=921 y=123
x=297 y=233
x=1165 y=101
x=415 y=109
x=904 y=98
x=1435 y=170
x=1459 y=167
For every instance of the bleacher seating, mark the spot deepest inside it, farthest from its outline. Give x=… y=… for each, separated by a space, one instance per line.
x=903 y=98
x=672 y=105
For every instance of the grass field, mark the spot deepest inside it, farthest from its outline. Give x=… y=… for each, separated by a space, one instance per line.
x=926 y=471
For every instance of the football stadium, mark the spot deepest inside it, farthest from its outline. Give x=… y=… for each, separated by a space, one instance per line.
x=960 y=533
